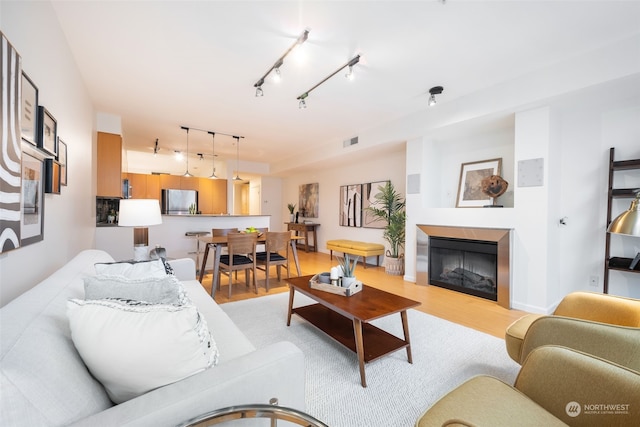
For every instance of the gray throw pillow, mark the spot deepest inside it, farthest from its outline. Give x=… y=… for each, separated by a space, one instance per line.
x=154 y=290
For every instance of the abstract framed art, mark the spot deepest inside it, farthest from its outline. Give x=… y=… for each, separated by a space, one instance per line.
x=29 y=110
x=308 y=200
x=369 y=191
x=47 y=132
x=470 y=193
x=62 y=158
x=351 y=205
x=32 y=202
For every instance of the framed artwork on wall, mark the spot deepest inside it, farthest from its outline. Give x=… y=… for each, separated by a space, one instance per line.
x=308 y=200
x=369 y=191
x=52 y=176
x=11 y=154
x=351 y=205
x=470 y=193
x=62 y=158
x=32 y=202
x=47 y=132
x=29 y=110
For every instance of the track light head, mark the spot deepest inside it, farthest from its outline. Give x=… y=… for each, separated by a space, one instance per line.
x=259 y=91
x=436 y=90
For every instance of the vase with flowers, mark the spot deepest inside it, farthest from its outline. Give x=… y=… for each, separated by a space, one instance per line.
x=291 y=207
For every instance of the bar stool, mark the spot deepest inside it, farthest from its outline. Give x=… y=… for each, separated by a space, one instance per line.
x=197 y=234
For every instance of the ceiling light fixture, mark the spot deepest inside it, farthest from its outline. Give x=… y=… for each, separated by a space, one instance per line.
x=156 y=148
x=436 y=90
x=237 y=177
x=187 y=174
x=213 y=155
x=302 y=98
x=276 y=66
x=178 y=155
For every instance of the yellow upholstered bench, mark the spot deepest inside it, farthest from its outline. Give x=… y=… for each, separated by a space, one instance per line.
x=353 y=247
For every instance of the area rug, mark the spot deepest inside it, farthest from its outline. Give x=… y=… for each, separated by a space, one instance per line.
x=444 y=355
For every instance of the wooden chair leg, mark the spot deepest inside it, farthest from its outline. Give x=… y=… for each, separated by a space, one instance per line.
x=266 y=280
x=255 y=281
x=230 y=279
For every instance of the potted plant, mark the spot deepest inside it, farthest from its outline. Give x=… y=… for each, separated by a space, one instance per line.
x=390 y=207
x=291 y=207
x=348 y=269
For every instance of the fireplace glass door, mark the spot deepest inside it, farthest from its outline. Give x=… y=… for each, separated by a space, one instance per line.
x=468 y=266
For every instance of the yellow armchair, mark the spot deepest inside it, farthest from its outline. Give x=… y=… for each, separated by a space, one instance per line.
x=556 y=386
x=596 y=307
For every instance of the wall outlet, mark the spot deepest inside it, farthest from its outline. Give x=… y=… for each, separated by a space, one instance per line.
x=593 y=281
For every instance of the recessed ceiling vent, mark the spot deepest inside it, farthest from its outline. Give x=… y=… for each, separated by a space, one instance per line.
x=350 y=142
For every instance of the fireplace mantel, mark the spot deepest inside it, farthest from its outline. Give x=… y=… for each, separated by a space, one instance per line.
x=501 y=236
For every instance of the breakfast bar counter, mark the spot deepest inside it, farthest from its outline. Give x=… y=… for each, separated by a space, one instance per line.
x=171 y=234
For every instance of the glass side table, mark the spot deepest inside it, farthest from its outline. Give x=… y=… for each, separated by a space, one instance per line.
x=271 y=411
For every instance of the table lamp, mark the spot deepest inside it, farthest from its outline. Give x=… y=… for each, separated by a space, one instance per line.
x=139 y=213
x=628 y=222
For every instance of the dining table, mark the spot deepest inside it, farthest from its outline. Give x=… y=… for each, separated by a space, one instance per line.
x=220 y=242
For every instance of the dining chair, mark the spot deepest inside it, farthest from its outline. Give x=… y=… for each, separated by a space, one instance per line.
x=276 y=253
x=241 y=255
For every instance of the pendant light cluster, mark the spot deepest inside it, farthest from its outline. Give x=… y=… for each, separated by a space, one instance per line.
x=213 y=151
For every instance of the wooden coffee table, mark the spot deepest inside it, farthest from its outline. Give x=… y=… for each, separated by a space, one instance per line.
x=346 y=319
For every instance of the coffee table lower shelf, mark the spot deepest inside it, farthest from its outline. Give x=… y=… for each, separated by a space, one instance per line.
x=376 y=342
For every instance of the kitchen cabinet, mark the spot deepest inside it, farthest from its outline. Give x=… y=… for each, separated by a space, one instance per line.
x=170 y=182
x=144 y=186
x=109 y=168
x=189 y=183
x=212 y=196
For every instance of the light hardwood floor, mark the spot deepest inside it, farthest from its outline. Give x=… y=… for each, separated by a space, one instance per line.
x=473 y=312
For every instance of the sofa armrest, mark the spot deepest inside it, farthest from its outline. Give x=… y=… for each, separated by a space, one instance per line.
x=184 y=268
x=617 y=344
x=556 y=377
x=273 y=371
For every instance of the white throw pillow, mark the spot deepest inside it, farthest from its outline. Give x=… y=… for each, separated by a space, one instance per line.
x=134 y=348
x=133 y=270
x=154 y=290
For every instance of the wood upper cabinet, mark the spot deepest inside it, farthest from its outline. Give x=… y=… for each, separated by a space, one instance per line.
x=137 y=185
x=153 y=187
x=189 y=183
x=219 y=196
x=109 y=169
x=212 y=196
x=169 y=182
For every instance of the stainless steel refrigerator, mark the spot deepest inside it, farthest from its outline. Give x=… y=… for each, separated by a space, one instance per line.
x=179 y=202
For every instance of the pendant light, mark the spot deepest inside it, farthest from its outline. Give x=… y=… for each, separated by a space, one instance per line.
x=187 y=174
x=237 y=177
x=213 y=156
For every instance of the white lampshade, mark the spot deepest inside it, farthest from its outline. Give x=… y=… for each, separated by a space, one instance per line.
x=139 y=213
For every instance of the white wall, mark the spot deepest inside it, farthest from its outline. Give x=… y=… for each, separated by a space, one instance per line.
x=69 y=218
x=387 y=165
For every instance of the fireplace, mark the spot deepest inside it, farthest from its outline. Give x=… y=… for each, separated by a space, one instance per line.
x=472 y=260
x=468 y=266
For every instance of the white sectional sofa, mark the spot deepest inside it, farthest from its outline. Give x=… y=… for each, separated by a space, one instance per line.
x=44 y=382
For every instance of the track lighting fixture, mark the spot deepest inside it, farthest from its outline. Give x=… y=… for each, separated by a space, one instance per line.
x=237 y=177
x=302 y=98
x=276 y=66
x=187 y=174
x=213 y=155
x=178 y=155
x=156 y=148
x=436 y=90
